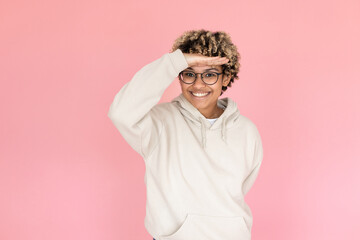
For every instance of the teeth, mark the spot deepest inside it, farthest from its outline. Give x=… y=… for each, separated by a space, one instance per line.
x=199 y=94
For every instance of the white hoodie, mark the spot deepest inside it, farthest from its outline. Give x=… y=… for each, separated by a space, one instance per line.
x=197 y=173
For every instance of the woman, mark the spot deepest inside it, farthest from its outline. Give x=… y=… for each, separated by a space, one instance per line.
x=201 y=155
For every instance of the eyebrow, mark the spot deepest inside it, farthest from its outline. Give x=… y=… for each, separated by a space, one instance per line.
x=190 y=68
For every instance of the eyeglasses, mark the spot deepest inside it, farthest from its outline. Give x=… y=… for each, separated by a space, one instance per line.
x=208 y=78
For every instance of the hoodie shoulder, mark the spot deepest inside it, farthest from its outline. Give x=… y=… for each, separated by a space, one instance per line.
x=163 y=110
x=247 y=124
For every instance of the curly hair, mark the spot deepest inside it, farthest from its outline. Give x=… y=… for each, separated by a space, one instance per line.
x=211 y=44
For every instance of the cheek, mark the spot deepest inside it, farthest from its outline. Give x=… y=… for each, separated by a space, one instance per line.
x=217 y=88
x=183 y=86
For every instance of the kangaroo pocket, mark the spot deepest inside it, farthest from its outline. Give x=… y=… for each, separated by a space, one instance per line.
x=205 y=227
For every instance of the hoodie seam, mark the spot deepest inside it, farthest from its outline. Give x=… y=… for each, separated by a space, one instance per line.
x=141 y=145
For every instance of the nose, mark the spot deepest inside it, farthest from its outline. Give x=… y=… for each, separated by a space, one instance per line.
x=198 y=81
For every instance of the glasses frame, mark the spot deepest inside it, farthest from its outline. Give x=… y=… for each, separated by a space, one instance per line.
x=201 y=74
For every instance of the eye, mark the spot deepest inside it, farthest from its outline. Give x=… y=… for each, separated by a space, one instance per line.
x=210 y=75
x=189 y=74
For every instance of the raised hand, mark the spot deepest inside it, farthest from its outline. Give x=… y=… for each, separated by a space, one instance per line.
x=201 y=60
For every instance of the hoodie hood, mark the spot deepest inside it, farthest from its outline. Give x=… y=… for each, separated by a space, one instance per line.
x=225 y=121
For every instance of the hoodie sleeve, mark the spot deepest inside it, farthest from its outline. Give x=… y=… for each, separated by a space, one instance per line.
x=258 y=157
x=130 y=110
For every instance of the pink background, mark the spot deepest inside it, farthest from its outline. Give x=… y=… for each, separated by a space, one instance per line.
x=66 y=173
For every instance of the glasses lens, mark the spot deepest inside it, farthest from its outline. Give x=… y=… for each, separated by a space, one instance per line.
x=187 y=77
x=210 y=78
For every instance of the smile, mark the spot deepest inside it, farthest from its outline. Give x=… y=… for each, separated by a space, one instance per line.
x=200 y=94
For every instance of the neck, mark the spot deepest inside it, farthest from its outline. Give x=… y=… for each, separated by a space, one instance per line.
x=213 y=112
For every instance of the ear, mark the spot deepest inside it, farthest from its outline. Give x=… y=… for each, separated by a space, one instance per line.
x=226 y=79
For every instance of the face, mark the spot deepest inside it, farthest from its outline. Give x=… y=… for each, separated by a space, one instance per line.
x=208 y=102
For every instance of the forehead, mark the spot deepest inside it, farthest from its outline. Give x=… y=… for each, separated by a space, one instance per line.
x=205 y=68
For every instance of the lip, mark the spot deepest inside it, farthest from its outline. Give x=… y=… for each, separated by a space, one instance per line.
x=202 y=97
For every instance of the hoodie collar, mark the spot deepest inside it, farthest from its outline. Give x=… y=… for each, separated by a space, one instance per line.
x=226 y=119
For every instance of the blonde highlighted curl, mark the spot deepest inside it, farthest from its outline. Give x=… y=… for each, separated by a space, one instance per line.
x=211 y=44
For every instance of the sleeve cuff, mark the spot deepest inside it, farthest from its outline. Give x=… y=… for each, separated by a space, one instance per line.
x=178 y=61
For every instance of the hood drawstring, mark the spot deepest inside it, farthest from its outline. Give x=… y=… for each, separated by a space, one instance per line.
x=203 y=131
x=223 y=130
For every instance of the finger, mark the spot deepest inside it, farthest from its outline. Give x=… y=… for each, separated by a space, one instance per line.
x=217 y=60
x=222 y=60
